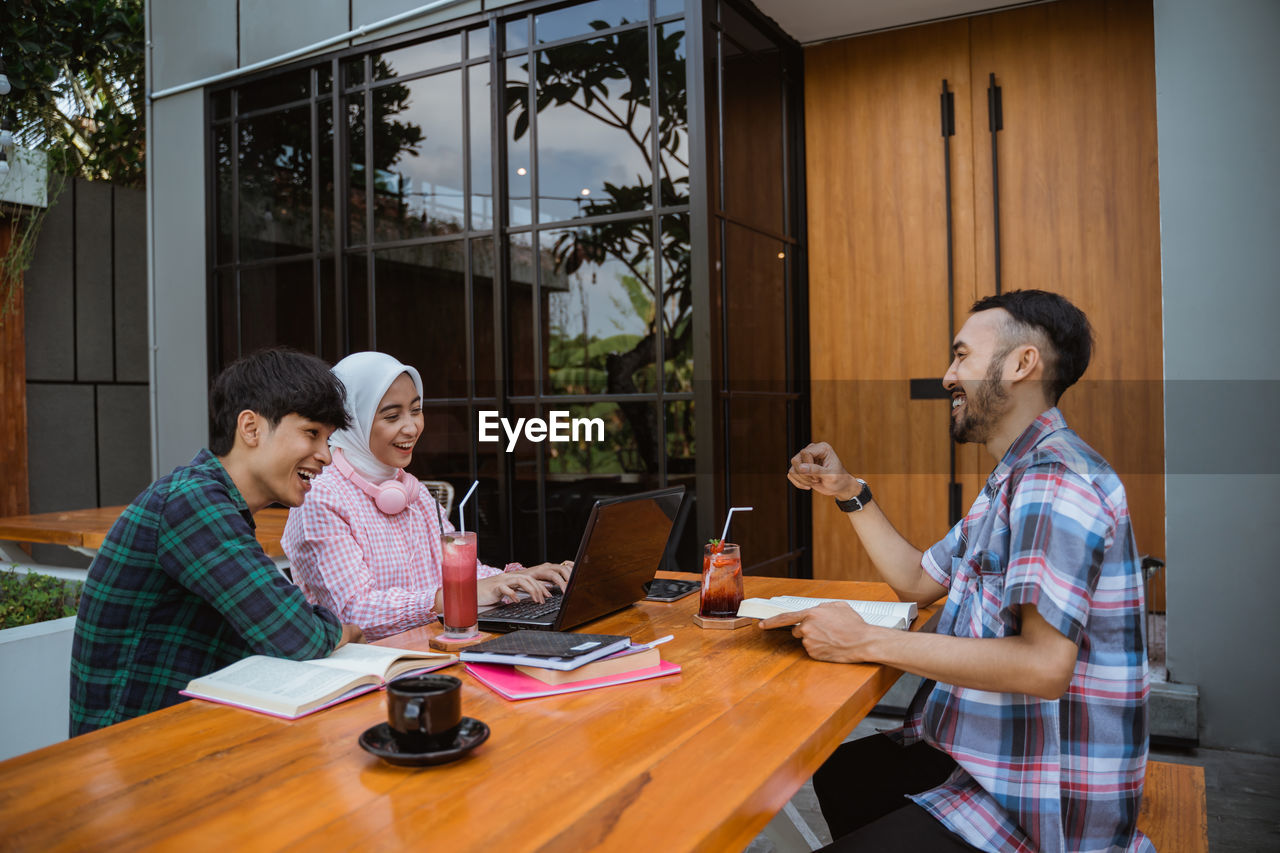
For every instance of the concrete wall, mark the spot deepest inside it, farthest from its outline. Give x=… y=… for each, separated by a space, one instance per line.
x=1216 y=64
x=35 y=704
x=89 y=435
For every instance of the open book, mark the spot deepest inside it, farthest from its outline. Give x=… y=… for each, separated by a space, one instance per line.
x=886 y=614
x=292 y=689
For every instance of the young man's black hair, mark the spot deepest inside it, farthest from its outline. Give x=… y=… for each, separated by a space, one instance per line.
x=1065 y=326
x=274 y=383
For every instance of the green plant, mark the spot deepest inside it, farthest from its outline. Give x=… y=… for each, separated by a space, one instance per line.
x=31 y=597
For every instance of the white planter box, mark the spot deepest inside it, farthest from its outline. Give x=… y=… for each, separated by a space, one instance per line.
x=35 y=669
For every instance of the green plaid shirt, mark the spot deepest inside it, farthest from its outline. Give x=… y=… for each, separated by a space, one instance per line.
x=181 y=588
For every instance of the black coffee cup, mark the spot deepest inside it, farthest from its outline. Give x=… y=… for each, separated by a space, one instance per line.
x=424 y=712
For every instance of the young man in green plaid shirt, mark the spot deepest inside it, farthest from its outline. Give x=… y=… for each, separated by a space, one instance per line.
x=181 y=587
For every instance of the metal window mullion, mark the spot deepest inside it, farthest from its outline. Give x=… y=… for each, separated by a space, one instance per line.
x=502 y=265
x=371 y=289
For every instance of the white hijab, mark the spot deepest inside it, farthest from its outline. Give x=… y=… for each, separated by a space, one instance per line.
x=367 y=376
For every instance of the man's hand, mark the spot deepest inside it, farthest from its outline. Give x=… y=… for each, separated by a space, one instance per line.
x=818 y=468
x=351 y=633
x=831 y=631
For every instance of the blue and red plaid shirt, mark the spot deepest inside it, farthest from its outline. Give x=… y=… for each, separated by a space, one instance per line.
x=1050 y=529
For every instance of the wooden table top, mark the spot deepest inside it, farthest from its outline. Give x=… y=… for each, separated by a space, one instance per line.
x=88 y=528
x=698 y=761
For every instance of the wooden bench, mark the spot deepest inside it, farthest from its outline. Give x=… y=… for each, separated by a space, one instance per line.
x=1173 y=811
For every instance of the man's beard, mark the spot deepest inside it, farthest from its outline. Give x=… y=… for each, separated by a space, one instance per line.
x=982 y=409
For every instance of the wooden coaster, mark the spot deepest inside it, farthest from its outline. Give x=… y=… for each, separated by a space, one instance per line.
x=443 y=644
x=726 y=624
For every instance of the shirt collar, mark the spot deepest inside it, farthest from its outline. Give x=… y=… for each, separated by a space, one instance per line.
x=213 y=465
x=1046 y=424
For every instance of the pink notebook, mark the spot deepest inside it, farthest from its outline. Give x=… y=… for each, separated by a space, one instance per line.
x=508 y=683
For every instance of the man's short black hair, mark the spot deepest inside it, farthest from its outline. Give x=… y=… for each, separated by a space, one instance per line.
x=274 y=383
x=1050 y=314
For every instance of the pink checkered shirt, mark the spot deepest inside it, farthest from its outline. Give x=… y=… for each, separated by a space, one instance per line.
x=379 y=571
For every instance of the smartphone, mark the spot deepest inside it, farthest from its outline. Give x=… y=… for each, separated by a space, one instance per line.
x=667 y=589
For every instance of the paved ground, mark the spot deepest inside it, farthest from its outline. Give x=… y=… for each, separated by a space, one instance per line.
x=1242 y=792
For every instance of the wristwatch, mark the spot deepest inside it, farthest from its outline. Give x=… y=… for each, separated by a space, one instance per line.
x=859 y=500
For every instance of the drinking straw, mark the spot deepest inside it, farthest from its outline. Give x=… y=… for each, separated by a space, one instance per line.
x=439 y=518
x=724 y=537
x=462 y=506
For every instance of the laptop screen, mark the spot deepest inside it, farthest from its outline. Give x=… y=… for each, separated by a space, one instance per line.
x=621 y=550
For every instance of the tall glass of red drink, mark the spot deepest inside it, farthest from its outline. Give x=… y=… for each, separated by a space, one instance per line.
x=459 y=570
x=721 y=581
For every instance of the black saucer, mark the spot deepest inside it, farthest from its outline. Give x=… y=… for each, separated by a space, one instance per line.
x=379 y=741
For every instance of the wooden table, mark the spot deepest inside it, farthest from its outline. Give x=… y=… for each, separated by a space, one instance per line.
x=696 y=761
x=85 y=529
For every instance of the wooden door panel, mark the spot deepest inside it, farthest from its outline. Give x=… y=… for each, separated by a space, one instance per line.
x=878 y=271
x=1079 y=211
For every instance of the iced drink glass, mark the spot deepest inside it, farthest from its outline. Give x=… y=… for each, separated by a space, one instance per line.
x=459 y=570
x=721 y=581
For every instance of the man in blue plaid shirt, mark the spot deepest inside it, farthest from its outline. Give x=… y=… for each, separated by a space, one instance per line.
x=181 y=587
x=1030 y=732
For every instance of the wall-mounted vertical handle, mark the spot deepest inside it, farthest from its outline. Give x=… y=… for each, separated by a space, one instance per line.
x=995 y=121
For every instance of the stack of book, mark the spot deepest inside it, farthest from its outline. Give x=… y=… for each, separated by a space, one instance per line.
x=525 y=664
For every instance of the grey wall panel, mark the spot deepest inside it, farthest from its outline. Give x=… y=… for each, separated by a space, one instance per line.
x=63 y=450
x=95 y=349
x=369 y=11
x=130 y=311
x=1219 y=214
x=192 y=39
x=263 y=35
x=50 y=322
x=176 y=177
x=124 y=442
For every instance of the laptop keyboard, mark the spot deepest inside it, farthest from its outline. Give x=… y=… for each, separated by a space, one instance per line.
x=528 y=609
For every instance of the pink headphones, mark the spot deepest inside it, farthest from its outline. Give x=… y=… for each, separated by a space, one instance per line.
x=391 y=496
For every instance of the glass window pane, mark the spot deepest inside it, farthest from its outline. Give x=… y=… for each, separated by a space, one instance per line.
x=611 y=439
x=333 y=318
x=479 y=95
x=275 y=184
x=673 y=115
x=587 y=18
x=272 y=91
x=483 y=263
x=444 y=452
x=757 y=439
x=677 y=303
x=420 y=311
x=353 y=72
x=680 y=449
x=753 y=166
x=598 y=289
x=228 y=307
x=478 y=43
x=525 y=489
x=223 y=192
x=357 y=204
x=520 y=313
x=593 y=127
x=417 y=157
x=417 y=57
x=662 y=8
x=755 y=295
x=221 y=103
x=491 y=537
x=324 y=173
x=277 y=307
x=517 y=34
x=519 y=160
x=324 y=78
x=357 y=304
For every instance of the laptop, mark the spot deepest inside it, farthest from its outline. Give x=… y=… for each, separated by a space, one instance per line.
x=621 y=550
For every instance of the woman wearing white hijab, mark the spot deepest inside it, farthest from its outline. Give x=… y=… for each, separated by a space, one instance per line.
x=366 y=541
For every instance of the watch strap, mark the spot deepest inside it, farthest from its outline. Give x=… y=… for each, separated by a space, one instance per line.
x=858 y=501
